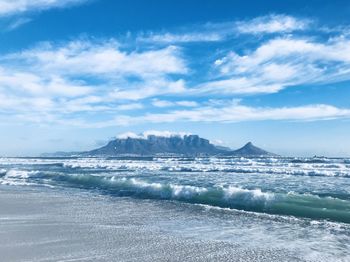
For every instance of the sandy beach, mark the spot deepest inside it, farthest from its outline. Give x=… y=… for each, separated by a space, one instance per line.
x=50 y=225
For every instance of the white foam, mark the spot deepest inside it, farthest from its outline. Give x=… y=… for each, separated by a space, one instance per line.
x=18 y=174
x=255 y=195
x=176 y=191
x=186 y=191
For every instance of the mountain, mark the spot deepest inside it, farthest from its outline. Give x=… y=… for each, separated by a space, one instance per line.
x=174 y=145
x=249 y=150
x=157 y=145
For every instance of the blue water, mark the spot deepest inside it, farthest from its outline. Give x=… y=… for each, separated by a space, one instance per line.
x=288 y=195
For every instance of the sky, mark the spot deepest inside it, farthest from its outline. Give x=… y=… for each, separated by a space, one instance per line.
x=76 y=73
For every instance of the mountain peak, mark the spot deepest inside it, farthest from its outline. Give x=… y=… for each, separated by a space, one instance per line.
x=249 y=144
x=250 y=150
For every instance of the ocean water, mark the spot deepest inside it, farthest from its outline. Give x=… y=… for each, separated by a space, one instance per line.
x=297 y=204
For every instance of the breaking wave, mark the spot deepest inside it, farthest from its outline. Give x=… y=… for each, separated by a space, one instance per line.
x=300 y=205
x=248 y=199
x=201 y=181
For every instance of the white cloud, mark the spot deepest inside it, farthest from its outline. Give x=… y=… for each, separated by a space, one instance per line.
x=148 y=133
x=208 y=32
x=129 y=135
x=167 y=38
x=272 y=24
x=279 y=63
x=104 y=59
x=130 y=106
x=236 y=113
x=239 y=85
x=17 y=23
x=87 y=83
x=10 y=104
x=11 y=7
x=162 y=103
x=87 y=76
x=121 y=75
x=226 y=112
x=148 y=88
x=166 y=103
x=216 y=32
x=186 y=103
x=31 y=84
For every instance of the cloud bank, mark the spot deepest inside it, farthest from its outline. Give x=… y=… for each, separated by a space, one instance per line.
x=154 y=77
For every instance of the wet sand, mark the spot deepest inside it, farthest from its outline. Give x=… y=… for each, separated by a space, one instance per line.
x=51 y=225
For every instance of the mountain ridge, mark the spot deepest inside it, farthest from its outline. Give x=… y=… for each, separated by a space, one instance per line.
x=153 y=145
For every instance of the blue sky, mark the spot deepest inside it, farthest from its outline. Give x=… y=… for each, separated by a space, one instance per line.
x=74 y=73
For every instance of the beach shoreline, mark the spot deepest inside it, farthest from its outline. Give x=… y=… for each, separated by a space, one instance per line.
x=41 y=224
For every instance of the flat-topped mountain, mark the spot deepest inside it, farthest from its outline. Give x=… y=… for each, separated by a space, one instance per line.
x=186 y=145
x=163 y=145
x=157 y=145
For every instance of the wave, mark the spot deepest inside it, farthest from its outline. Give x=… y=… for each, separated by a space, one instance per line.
x=325 y=171
x=187 y=182
x=291 y=204
x=19 y=174
x=274 y=166
x=310 y=161
x=3 y=172
x=16 y=177
x=233 y=197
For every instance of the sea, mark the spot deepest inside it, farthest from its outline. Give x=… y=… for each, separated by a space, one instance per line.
x=296 y=204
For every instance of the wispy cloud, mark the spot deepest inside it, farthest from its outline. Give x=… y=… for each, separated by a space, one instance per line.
x=167 y=38
x=166 y=103
x=282 y=62
x=18 y=23
x=272 y=24
x=216 y=32
x=13 y=7
x=237 y=112
x=104 y=59
x=229 y=113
